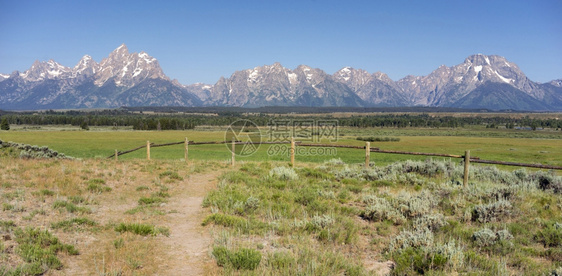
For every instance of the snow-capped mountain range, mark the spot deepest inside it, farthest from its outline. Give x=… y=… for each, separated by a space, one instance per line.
x=121 y=79
x=136 y=79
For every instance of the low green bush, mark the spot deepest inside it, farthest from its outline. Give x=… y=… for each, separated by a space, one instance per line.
x=281 y=260
x=73 y=223
x=38 y=249
x=150 y=200
x=142 y=229
x=71 y=207
x=551 y=235
x=98 y=188
x=171 y=175
x=378 y=139
x=242 y=258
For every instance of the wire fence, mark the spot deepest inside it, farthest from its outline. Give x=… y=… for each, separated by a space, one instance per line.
x=367 y=146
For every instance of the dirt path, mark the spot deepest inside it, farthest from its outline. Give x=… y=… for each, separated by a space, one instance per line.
x=188 y=243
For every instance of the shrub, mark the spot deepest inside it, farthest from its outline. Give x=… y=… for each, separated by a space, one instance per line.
x=142 y=188
x=323 y=221
x=76 y=199
x=221 y=254
x=281 y=260
x=150 y=200
x=486 y=237
x=549 y=182
x=415 y=206
x=414 y=239
x=416 y=260
x=7 y=225
x=46 y=192
x=242 y=258
x=245 y=258
x=551 y=235
x=432 y=222
x=38 y=248
x=284 y=173
x=7 y=207
x=171 y=175
x=380 y=209
x=379 y=139
x=96 y=181
x=556 y=272
x=491 y=212
x=70 y=207
x=33 y=152
x=334 y=161
x=252 y=203
x=225 y=220
x=306 y=196
x=118 y=243
x=422 y=259
x=67 y=224
x=97 y=188
x=142 y=229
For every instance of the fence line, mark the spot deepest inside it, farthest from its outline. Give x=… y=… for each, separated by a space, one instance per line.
x=293 y=143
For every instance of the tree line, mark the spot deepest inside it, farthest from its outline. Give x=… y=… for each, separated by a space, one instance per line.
x=179 y=121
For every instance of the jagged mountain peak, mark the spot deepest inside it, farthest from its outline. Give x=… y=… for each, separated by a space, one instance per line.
x=478 y=59
x=85 y=61
x=557 y=83
x=121 y=50
x=267 y=69
x=128 y=69
x=489 y=60
x=41 y=70
x=87 y=66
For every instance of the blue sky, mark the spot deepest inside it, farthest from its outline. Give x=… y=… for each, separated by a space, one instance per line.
x=200 y=41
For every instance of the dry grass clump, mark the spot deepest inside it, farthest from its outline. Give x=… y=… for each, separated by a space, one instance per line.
x=77 y=203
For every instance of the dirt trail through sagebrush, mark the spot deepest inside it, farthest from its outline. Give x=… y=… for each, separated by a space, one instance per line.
x=186 y=249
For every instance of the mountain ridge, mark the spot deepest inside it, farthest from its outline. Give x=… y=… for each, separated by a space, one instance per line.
x=136 y=79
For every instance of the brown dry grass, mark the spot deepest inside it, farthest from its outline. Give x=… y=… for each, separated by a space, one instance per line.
x=103 y=251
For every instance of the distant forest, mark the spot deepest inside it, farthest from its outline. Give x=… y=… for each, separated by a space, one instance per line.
x=179 y=118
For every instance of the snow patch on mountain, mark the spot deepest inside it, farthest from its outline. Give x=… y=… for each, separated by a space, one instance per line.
x=253 y=76
x=503 y=78
x=293 y=78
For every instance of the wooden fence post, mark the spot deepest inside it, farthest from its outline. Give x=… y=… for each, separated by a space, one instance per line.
x=147 y=150
x=186 y=148
x=466 y=167
x=233 y=151
x=293 y=152
x=116 y=155
x=367 y=154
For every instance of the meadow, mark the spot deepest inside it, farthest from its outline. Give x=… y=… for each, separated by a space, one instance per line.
x=505 y=145
x=405 y=215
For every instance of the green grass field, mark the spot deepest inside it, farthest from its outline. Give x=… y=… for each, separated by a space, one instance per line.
x=498 y=145
x=264 y=218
